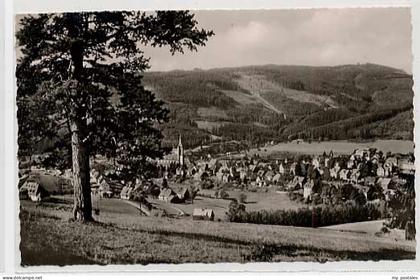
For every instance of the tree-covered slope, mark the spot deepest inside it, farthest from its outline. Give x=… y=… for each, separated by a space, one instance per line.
x=274 y=102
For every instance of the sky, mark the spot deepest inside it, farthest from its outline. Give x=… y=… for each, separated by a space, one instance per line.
x=318 y=37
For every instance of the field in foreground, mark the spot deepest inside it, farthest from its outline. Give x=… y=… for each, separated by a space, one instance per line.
x=48 y=237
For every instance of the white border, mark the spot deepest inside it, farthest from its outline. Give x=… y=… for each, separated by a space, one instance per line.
x=2 y=147
x=9 y=109
x=25 y=6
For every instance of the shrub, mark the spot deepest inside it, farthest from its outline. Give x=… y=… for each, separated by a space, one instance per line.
x=242 y=198
x=223 y=194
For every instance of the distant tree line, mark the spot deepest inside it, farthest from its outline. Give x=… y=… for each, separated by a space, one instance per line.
x=305 y=217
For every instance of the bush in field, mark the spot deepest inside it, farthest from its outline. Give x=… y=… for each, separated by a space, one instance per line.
x=207 y=184
x=295 y=196
x=375 y=192
x=216 y=194
x=242 y=198
x=236 y=211
x=223 y=194
x=402 y=206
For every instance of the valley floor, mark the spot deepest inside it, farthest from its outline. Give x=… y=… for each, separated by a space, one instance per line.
x=48 y=237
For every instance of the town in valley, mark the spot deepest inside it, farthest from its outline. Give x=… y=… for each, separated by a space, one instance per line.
x=145 y=138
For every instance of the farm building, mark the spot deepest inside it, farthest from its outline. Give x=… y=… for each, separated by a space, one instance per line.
x=35 y=191
x=205 y=214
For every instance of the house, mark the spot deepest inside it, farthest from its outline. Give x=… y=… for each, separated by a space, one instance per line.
x=260 y=181
x=184 y=194
x=293 y=168
x=126 y=193
x=167 y=195
x=261 y=173
x=315 y=162
x=104 y=189
x=391 y=161
x=269 y=176
x=276 y=178
x=385 y=183
x=95 y=176
x=344 y=174
x=355 y=175
x=369 y=181
x=335 y=171
x=253 y=168
x=406 y=166
x=35 y=191
x=219 y=175
x=380 y=171
x=361 y=153
x=226 y=178
x=296 y=183
x=308 y=188
x=282 y=170
x=204 y=214
x=243 y=175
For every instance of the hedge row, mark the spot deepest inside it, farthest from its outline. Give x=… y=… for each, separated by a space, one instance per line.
x=306 y=217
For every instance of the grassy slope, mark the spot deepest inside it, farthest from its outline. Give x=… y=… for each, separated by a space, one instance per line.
x=49 y=238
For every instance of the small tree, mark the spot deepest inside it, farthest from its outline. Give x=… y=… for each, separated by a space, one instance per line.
x=242 y=198
x=223 y=194
x=402 y=205
x=236 y=210
x=193 y=193
x=375 y=192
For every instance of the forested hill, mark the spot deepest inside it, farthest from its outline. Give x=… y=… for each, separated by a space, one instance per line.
x=271 y=102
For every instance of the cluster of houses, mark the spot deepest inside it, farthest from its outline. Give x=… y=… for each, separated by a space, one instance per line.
x=363 y=168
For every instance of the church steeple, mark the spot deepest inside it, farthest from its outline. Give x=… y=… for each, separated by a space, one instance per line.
x=180 y=152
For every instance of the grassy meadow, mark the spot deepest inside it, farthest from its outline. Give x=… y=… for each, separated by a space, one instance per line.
x=338 y=147
x=49 y=237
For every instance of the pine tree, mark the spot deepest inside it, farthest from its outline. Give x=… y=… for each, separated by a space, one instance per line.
x=79 y=86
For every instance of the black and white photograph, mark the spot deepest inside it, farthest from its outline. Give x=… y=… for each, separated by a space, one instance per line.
x=215 y=136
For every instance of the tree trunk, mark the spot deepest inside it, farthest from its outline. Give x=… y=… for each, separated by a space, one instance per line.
x=82 y=210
